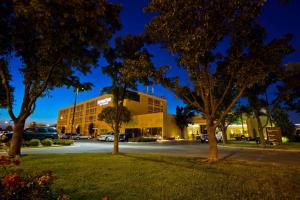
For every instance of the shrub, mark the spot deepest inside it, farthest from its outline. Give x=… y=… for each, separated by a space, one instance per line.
x=285 y=140
x=47 y=142
x=143 y=139
x=63 y=142
x=34 y=142
x=26 y=186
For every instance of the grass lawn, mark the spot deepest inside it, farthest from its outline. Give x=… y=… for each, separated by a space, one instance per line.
x=139 y=176
x=289 y=145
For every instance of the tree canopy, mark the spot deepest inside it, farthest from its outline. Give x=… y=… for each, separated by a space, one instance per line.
x=129 y=63
x=55 y=41
x=108 y=115
x=195 y=31
x=184 y=117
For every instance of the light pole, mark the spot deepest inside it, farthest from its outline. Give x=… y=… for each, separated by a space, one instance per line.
x=74 y=109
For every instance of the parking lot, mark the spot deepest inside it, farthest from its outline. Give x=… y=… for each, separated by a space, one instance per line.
x=190 y=149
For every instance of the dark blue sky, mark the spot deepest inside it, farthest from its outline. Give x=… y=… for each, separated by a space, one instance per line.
x=278 y=20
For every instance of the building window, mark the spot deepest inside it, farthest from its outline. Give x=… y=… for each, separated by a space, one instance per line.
x=150 y=101
x=156 y=109
x=156 y=102
x=150 y=108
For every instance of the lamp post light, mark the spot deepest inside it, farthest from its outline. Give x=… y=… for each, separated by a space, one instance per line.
x=74 y=110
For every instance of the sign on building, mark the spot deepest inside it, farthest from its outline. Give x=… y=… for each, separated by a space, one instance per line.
x=103 y=102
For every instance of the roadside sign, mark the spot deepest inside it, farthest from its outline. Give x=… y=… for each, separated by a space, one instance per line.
x=274 y=135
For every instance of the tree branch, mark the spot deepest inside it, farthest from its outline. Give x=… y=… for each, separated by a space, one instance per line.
x=42 y=89
x=4 y=74
x=225 y=112
x=223 y=96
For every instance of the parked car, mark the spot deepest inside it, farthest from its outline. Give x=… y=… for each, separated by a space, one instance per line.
x=204 y=137
x=35 y=133
x=74 y=136
x=109 y=137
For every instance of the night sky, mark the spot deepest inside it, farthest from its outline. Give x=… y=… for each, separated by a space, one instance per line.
x=278 y=20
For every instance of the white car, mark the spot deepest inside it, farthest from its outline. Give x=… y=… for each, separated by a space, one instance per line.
x=109 y=137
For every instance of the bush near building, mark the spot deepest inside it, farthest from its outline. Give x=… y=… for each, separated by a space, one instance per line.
x=34 y=142
x=47 y=142
x=142 y=139
x=63 y=142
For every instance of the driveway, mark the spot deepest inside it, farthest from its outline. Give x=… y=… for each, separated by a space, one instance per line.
x=174 y=149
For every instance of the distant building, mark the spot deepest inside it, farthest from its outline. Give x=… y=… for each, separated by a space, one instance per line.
x=149 y=116
x=149 y=119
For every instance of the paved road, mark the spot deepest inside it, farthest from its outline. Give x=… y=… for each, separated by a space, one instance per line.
x=176 y=149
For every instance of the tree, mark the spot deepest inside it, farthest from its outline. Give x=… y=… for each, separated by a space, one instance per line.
x=108 y=115
x=9 y=128
x=289 y=91
x=55 y=40
x=281 y=119
x=259 y=107
x=78 y=129
x=184 y=117
x=91 y=128
x=195 y=31
x=128 y=64
x=229 y=119
x=3 y=101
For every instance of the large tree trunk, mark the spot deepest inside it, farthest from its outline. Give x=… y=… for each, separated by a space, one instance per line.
x=260 y=129
x=116 y=140
x=213 y=149
x=16 y=142
x=224 y=134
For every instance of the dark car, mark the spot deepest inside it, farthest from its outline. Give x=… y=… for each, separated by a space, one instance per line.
x=35 y=133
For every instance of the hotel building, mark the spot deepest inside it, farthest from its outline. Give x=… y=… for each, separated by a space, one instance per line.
x=149 y=118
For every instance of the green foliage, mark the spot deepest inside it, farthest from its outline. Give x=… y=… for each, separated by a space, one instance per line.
x=215 y=76
x=254 y=133
x=129 y=63
x=289 y=91
x=47 y=142
x=108 y=115
x=184 y=117
x=55 y=41
x=63 y=142
x=285 y=140
x=281 y=119
x=34 y=142
x=142 y=139
x=194 y=30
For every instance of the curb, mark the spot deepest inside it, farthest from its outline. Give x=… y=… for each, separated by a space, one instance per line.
x=263 y=149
